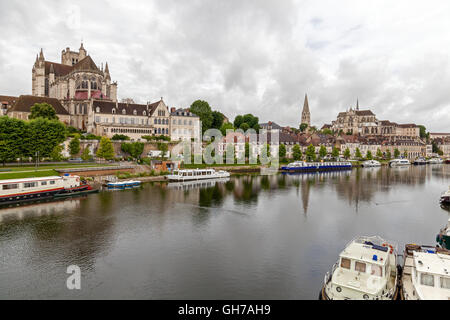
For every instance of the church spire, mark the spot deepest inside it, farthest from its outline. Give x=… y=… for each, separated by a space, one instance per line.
x=41 y=55
x=306 y=115
x=51 y=69
x=357 y=104
x=306 y=104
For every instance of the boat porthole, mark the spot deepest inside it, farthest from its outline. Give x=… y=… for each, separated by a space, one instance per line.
x=366 y=297
x=338 y=289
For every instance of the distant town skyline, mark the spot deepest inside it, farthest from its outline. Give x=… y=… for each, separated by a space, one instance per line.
x=258 y=57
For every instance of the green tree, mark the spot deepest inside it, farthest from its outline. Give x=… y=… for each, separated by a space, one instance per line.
x=282 y=151
x=310 y=153
x=303 y=127
x=297 y=152
x=225 y=127
x=379 y=153
x=369 y=155
x=388 y=154
x=358 y=154
x=247 y=150
x=405 y=154
x=42 y=135
x=163 y=147
x=322 y=151
x=56 y=154
x=74 y=146
x=43 y=110
x=203 y=111
x=86 y=155
x=12 y=136
x=347 y=153
x=105 y=149
x=396 y=153
x=327 y=131
x=335 y=152
x=423 y=132
x=120 y=137
x=218 y=119
x=134 y=149
x=244 y=126
x=247 y=121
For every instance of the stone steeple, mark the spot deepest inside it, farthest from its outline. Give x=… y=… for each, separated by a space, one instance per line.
x=357 y=104
x=306 y=115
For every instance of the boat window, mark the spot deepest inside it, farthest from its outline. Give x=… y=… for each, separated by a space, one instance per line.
x=445 y=283
x=10 y=186
x=376 y=270
x=52 y=182
x=345 y=263
x=427 y=280
x=29 y=184
x=360 y=266
x=43 y=183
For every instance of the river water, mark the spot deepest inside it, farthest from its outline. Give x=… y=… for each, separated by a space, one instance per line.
x=251 y=237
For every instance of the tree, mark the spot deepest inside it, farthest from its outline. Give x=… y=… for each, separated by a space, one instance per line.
x=405 y=154
x=43 y=110
x=327 y=131
x=225 y=127
x=303 y=127
x=297 y=152
x=41 y=136
x=369 y=155
x=335 y=152
x=347 y=153
x=86 y=155
x=12 y=136
x=163 y=147
x=134 y=149
x=218 y=119
x=423 y=132
x=358 y=154
x=388 y=154
x=74 y=146
x=56 y=154
x=120 y=137
x=247 y=121
x=247 y=150
x=203 y=111
x=310 y=153
x=379 y=153
x=105 y=149
x=282 y=151
x=244 y=126
x=396 y=153
x=322 y=151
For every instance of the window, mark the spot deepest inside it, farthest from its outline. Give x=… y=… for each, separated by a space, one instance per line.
x=10 y=186
x=360 y=266
x=113 y=111
x=445 y=283
x=124 y=111
x=345 y=263
x=97 y=109
x=29 y=184
x=43 y=183
x=52 y=182
x=427 y=280
x=135 y=112
x=376 y=271
x=97 y=119
x=144 y=113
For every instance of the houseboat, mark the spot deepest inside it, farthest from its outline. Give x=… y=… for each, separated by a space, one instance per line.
x=445 y=197
x=371 y=163
x=443 y=238
x=420 y=162
x=197 y=174
x=399 y=163
x=426 y=273
x=435 y=161
x=123 y=184
x=366 y=270
x=29 y=189
x=301 y=166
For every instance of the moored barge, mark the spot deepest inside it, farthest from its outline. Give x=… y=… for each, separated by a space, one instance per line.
x=301 y=166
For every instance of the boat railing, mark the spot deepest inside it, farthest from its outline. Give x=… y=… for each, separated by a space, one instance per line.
x=329 y=274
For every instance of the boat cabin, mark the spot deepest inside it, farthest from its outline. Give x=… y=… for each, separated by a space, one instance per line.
x=194 y=173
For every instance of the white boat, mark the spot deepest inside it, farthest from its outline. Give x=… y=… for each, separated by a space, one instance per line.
x=399 y=162
x=28 y=189
x=435 y=161
x=123 y=184
x=303 y=166
x=371 y=163
x=445 y=197
x=366 y=270
x=420 y=161
x=426 y=273
x=197 y=184
x=197 y=174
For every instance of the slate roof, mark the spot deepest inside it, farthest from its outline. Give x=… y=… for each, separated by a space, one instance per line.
x=108 y=106
x=25 y=102
x=87 y=64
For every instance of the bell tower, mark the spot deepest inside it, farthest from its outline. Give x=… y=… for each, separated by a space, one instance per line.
x=306 y=115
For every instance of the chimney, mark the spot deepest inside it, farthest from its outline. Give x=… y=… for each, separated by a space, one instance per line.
x=172 y=110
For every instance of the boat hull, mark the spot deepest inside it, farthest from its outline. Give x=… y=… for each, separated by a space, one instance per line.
x=27 y=197
x=196 y=178
x=315 y=168
x=397 y=293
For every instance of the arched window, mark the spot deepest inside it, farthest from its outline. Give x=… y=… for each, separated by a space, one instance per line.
x=97 y=109
x=124 y=111
x=159 y=130
x=135 y=112
x=113 y=111
x=144 y=113
x=159 y=121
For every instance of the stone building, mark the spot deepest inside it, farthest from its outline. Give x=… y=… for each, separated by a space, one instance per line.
x=184 y=125
x=22 y=107
x=6 y=102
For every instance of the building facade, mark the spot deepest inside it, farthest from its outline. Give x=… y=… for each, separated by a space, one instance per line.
x=184 y=125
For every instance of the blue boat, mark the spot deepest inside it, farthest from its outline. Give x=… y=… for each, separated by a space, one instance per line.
x=301 y=166
x=123 y=184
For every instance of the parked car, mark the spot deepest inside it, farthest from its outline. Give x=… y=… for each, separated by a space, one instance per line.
x=75 y=160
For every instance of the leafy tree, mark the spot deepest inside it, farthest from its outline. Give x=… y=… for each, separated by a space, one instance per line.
x=105 y=149
x=423 y=132
x=203 y=111
x=282 y=151
x=12 y=135
x=303 y=127
x=405 y=154
x=74 y=146
x=335 y=152
x=379 y=153
x=134 y=149
x=42 y=135
x=396 y=153
x=86 y=155
x=297 y=152
x=327 y=131
x=310 y=153
x=247 y=121
x=156 y=138
x=43 y=110
x=358 y=154
x=225 y=127
x=163 y=147
x=388 y=154
x=247 y=150
x=322 y=151
x=56 y=154
x=369 y=155
x=218 y=119
x=244 y=126
x=120 y=137
x=347 y=153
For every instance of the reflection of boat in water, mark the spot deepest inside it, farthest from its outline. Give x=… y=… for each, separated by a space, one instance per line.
x=443 y=238
x=196 y=184
x=425 y=273
x=301 y=166
x=366 y=270
x=269 y=171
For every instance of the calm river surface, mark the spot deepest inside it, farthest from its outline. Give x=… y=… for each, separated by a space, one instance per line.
x=252 y=237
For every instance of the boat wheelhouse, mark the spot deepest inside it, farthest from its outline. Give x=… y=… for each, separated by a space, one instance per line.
x=426 y=273
x=420 y=161
x=197 y=174
x=28 y=189
x=299 y=166
x=399 y=162
x=366 y=270
x=445 y=197
x=443 y=238
x=371 y=163
x=435 y=161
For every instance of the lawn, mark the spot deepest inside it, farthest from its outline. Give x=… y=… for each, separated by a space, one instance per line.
x=43 y=166
x=28 y=174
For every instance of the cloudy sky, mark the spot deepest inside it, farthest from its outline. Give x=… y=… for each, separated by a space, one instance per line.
x=255 y=56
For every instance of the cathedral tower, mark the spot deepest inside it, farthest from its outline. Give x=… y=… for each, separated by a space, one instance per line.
x=306 y=115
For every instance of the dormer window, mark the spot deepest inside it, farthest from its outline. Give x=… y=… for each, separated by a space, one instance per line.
x=135 y=112
x=124 y=111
